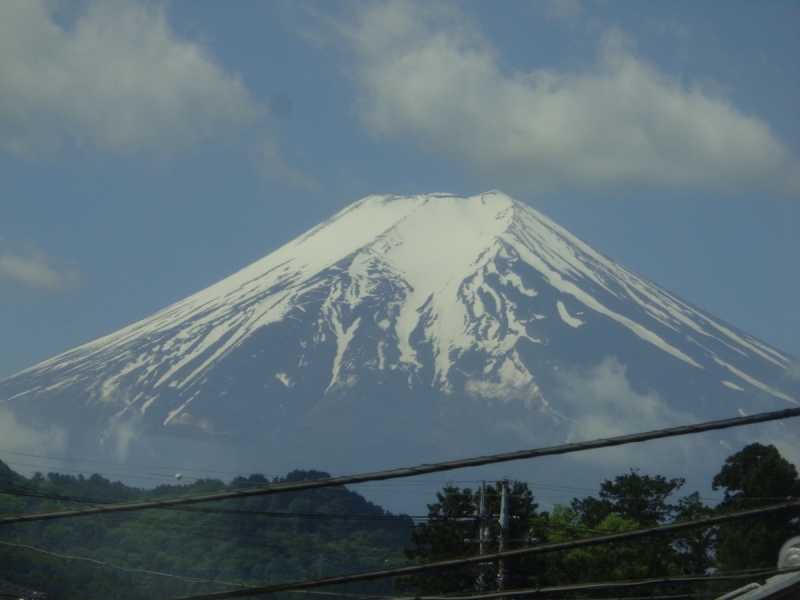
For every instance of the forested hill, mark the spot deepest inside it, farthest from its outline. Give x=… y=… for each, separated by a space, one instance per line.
x=250 y=540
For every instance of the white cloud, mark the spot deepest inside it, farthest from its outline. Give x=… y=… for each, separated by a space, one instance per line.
x=123 y=429
x=604 y=404
x=270 y=163
x=118 y=79
x=427 y=74
x=124 y=433
x=23 y=266
x=601 y=404
x=16 y=437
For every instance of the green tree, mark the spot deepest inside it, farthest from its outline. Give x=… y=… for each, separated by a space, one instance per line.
x=630 y=501
x=247 y=540
x=621 y=560
x=453 y=531
x=755 y=476
x=640 y=498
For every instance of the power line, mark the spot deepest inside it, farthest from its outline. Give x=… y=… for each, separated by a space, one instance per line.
x=139 y=474
x=526 y=551
x=97 y=462
x=118 y=567
x=25 y=489
x=34 y=493
x=297 y=515
x=207 y=531
x=610 y=585
x=409 y=471
x=346 y=595
x=683 y=596
x=651 y=597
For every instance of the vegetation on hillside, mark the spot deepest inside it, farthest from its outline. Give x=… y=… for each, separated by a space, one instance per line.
x=250 y=540
x=755 y=476
x=290 y=536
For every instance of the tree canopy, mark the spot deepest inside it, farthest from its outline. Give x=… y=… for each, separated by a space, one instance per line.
x=247 y=540
x=326 y=531
x=755 y=476
x=453 y=530
x=628 y=502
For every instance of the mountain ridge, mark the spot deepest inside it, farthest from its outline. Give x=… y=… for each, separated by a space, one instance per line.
x=418 y=320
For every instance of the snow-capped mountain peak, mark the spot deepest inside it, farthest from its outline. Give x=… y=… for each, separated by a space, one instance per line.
x=468 y=302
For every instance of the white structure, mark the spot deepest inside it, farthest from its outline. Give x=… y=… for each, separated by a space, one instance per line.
x=785 y=586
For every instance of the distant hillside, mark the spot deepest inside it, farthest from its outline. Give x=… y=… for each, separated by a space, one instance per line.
x=253 y=540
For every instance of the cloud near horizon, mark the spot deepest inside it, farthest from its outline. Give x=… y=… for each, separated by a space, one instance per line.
x=118 y=79
x=25 y=267
x=17 y=437
x=601 y=403
x=427 y=74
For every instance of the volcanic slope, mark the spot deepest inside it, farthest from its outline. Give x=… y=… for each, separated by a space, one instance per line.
x=402 y=330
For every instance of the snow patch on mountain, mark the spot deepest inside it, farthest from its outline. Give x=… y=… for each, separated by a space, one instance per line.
x=755 y=382
x=566 y=317
x=284 y=379
x=733 y=386
x=432 y=276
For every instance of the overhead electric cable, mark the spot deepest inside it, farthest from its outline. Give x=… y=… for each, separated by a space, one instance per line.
x=118 y=567
x=297 y=486
x=139 y=474
x=34 y=493
x=346 y=595
x=97 y=462
x=495 y=556
x=297 y=515
x=683 y=596
x=611 y=585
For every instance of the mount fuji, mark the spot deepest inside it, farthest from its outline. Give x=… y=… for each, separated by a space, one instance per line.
x=404 y=330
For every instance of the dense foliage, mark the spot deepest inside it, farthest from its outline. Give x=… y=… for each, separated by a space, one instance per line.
x=755 y=476
x=630 y=501
x=453 y=530
x=250 y=540
x=268 y=539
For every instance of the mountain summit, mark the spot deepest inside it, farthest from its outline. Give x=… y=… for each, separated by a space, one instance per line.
x=402 y=330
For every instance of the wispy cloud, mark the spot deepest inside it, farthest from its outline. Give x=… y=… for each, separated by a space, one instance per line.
x=25 y=267
x=426 y=73
x=17 y=437
x=270 y=163
x=604 y=404
x=118 y=79
x=601 y=403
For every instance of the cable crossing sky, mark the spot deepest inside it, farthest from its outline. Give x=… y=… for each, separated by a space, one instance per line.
x=491 y=557
x=405 y=472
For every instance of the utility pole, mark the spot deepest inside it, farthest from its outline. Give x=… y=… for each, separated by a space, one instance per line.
x=503 y=539
x=483 y=534
x=503 y=521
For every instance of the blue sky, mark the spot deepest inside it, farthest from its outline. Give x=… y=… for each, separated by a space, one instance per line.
x=148 y=150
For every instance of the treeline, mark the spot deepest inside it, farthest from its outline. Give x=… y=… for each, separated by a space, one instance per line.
x=250 y=540
x=299 y=535
x=756 y=476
